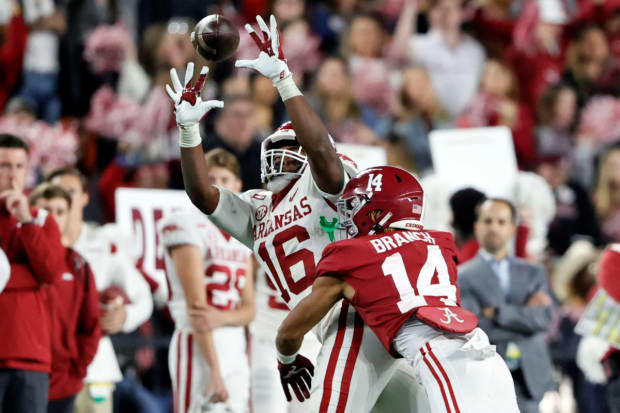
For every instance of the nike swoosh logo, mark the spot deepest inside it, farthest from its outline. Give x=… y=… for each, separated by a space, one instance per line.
x=293 y=196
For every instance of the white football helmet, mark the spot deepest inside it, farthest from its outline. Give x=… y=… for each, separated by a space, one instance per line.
x=273 y=156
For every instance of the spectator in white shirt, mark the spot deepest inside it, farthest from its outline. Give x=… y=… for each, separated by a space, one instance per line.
x=453 y=59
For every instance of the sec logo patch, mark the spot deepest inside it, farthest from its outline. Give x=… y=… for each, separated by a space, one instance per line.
x=260 y=212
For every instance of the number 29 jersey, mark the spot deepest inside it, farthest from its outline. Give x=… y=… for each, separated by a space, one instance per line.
x=398 y=274
x=224 y=261
x=287 y=231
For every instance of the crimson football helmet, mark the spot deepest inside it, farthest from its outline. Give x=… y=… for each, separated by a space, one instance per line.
x=273 y=156
x=381 y=197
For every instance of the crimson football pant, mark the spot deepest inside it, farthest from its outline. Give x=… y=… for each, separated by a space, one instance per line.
x=23 y=391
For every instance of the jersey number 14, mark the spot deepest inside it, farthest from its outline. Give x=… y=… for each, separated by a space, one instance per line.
x=394 y=266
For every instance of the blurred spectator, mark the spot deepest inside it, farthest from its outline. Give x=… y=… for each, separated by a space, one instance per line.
x=574 y=214
x=74 y=309
x=607 y=194
x=572 y=280
x=265 y=98
x=538 y=49
x=496 y=104
x=511 y=298
x=333 y=101
x=46 y=24
x=235 y=130
x=453 y=59
x=463 y=204
x=420 y=112
x=51 y=146
x=31 y=241
x=302 y=49
x=124 y=294
x=556 y=116
x=13 y=34
x=370 y=77
x=287 y=11
x=590 y=69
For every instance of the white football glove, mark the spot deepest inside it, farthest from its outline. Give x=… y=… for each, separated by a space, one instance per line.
x=270 y=62
x=189 y=108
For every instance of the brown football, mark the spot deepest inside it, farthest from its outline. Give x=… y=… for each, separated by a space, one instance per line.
x=215 y=38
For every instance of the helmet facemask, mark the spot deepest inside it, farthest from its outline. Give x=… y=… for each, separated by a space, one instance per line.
x=347 y=210
x=280 y=153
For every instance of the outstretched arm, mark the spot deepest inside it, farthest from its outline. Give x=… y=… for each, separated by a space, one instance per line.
x=189 y=109
x=296 y=370
x=311 y=133
x=326 y=291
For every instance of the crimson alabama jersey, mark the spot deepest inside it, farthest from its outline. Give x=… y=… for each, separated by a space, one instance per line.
x=398 y=274
x=287 y=230
x=224 y=262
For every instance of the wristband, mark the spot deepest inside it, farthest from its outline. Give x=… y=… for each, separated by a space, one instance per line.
x=287 y=88
x=189 y=136
x=284 y=359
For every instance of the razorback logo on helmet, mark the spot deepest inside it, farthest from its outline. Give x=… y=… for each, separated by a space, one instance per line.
x=261 y=212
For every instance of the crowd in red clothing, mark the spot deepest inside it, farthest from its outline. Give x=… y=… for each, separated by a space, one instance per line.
x=383 y=73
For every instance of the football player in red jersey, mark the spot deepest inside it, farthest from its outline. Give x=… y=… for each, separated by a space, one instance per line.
x=401 y=278
x=288 y=225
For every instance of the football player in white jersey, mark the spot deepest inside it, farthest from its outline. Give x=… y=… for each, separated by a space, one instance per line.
x=271 y=310
x=288 y=227
x=211 y=299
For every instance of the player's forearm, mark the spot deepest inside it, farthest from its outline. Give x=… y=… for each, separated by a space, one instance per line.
x=241 y=316
x=313 y=137
x=288 y=345
x=195 y=179
x=204 y=341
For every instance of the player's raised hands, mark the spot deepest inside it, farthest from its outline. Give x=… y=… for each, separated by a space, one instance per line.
x=189 y=107
x=298 y=375
x=270 y=62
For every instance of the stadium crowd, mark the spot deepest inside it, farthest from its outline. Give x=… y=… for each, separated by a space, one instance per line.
x=82 y=83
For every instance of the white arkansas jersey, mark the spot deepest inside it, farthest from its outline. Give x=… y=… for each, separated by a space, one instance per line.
x=224 y=262
x=287 y=231
x=271 y=309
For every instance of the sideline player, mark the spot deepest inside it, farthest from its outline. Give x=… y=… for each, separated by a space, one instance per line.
x=111 y=266
x=212 y=298
x=402 y=280
x=289 y=225
x=74 y=308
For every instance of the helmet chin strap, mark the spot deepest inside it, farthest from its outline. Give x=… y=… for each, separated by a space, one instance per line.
x=410 y=224
x=379 y=225
x=278 y=183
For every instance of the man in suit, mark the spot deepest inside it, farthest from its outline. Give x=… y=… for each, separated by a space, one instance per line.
x=510 y=297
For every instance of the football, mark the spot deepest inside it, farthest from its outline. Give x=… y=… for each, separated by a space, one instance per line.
x=215 y=38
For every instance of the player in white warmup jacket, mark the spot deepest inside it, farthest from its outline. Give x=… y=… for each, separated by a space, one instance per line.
x=289 y=225
x=211 y=299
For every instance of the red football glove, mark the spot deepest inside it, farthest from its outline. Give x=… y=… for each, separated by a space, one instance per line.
x=298 y=375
